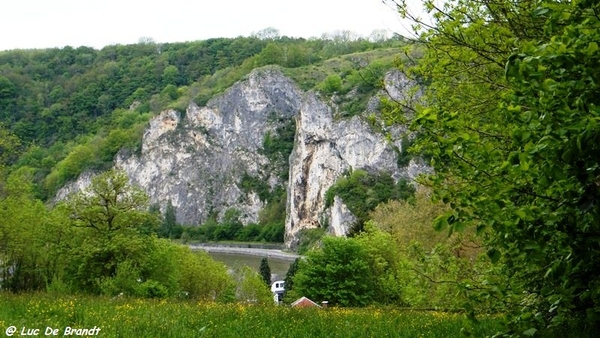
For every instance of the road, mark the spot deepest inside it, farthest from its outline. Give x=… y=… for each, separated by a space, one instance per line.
x=246 y=251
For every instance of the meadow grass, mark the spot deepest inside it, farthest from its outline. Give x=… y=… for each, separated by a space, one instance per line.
x=172 y=318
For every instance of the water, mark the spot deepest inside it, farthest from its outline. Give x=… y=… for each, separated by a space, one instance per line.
x=279 y=267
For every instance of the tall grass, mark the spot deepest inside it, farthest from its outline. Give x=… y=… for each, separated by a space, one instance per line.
x=120 y=317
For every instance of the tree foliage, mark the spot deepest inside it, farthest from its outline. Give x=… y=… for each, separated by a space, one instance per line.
x=409 y=222
x=250 y=287
x=510 y=121
x=23 y=252
x=435 y=270
x=356 y=271
x=362 y=192
x=338 y=272
x=99 y=241
x=265 y=271
x=111 y=206
x=289 y=277
x=168 y=227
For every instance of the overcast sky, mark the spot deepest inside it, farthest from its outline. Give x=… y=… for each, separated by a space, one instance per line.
x=96 y=23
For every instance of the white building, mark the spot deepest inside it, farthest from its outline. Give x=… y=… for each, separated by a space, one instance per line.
x=278 y=289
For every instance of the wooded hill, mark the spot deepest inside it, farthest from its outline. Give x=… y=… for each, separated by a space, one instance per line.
x=75 y=108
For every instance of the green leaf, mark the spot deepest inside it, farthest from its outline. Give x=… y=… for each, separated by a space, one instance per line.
x=515 y=109
x=524 y=164
x=494 y=255
x=530 y=332
x=441 y=222
x=592 y=48
x=480 y=229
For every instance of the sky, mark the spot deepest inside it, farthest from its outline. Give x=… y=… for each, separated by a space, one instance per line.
x=28 y=24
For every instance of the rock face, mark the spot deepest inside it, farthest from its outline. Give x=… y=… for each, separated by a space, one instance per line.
x=197 y=160
x=324 y=149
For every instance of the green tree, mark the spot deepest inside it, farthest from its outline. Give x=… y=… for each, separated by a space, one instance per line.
x=383 y=260
x=409 y=222
x=250 y=287
x=110 y=206
x=339 y=272
x=272 y=54
x=201 y=277
x=113 y=226
x=169 y=222
x=9 y=144
x=170 y=76
x=433 y=268
x=24 y=259
x=7 y=95
x=509 y=119
x=289 y=276
x=265 y=271
x=331 y=84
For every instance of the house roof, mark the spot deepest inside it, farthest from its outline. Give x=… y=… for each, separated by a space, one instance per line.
x=304 y=302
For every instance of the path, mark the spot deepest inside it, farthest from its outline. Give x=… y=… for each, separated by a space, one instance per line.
x=246 y=251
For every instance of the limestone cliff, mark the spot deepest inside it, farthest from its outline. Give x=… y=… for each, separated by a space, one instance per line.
x=327 y=147
x=196 y=159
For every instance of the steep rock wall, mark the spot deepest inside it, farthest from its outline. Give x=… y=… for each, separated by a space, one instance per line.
x=197 y=160
x=324 y=149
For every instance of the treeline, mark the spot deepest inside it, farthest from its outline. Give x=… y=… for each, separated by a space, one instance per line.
x=105 y=240
x=230 y=228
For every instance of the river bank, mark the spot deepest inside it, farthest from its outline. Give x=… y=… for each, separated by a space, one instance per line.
x=237 y=249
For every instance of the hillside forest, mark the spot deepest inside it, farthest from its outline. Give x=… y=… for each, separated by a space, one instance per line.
x=506 y=225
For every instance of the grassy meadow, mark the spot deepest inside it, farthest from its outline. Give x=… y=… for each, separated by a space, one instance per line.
x=120 y=317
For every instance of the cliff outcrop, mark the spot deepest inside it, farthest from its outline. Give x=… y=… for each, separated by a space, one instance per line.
x=197 y=159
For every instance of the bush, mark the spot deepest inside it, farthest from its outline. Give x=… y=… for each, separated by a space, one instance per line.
x=200 y=276
x=251 y=288
x=331 y=84
x=362 y=192
x=152 y=289
x=309 y=239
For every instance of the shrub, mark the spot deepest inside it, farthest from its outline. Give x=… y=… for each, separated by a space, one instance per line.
x=362 y=192
x=331 y=84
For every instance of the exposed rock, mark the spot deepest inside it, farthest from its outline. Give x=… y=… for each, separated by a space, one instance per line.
x=81 y=183
x=401 y=88
x=340 y=218
x=324 y=149
x=196 y=160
